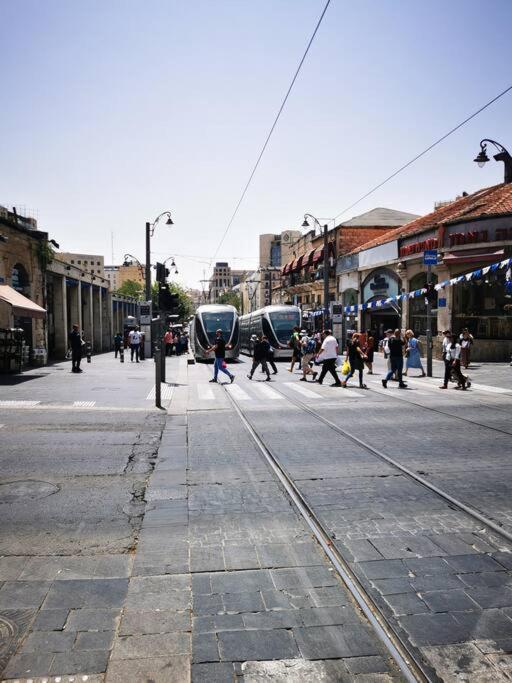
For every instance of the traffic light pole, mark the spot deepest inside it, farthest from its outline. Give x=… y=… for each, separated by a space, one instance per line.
x=326 y=278
x=429 y=322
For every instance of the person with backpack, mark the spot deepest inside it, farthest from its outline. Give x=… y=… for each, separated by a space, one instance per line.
x=294 y=345
x=308 y=345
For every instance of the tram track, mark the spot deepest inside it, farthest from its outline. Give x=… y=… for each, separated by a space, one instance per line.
x=409 y=662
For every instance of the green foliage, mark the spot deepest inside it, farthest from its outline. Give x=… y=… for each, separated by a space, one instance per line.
x=230 y=298
x=131 y=288
x=45 y=253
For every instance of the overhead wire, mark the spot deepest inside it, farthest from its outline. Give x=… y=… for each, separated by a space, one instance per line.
x=255 y=167
x=418 y=156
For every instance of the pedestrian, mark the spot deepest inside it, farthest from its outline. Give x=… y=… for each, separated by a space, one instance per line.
x=452 y=364
x=260 y=355
x=294 y=345
x=368 y=350
x=412 y=353
x=356 y=358
x=308 y=345
x=75 y=344
x=327 y=356
x=219 y=348
x=134 y=340
x=396 y=356
x=168 y=343
x=466 y=342
x=118 y=340
x=270 y=356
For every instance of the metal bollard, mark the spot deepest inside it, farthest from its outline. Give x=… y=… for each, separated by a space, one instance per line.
x=88 y=350
x=121 y=353
x=162 y=354
x=158 y=377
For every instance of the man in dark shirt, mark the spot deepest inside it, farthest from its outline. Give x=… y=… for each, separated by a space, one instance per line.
x=220 y=357
x=396 y=356
x=75 y=344
x=260 y=354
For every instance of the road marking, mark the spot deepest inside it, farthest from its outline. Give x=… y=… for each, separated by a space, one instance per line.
x=493 y=390
x=302 y=390
x=18 y=404
x=237 y=392
x=205 y=393
x=267 y=391
x=84 y=404
x=166 y=392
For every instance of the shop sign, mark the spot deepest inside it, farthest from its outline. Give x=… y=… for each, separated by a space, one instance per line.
x=381 y=285
x=419 y=247
x=462 y=237
x=430 y=257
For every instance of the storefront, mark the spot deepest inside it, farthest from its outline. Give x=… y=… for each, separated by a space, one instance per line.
x=382 y=283
x=14 y=347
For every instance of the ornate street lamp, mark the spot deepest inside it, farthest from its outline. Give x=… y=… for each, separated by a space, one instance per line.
x=503 y=155
x=150 y=231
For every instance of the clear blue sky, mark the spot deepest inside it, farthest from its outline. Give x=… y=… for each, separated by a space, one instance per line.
x=115 y=111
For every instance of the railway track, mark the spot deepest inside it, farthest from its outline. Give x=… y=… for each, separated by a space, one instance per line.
x=409 y=660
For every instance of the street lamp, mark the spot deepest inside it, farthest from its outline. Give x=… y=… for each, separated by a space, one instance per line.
x=128 y=262
x=503 y=155
x=150 y=231
x=305 y=224
x=173 y=262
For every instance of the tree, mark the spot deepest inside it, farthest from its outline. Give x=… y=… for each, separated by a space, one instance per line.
x=231 y=298
x=131 y=288
x=185 y=303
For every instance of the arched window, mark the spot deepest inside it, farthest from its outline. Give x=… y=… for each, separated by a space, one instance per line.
x=19 y=278
x=418 y=306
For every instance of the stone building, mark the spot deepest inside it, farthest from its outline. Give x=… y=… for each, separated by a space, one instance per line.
x=91 y=263
x=118 y=275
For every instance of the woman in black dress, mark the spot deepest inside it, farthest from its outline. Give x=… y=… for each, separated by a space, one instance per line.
x=356 y=358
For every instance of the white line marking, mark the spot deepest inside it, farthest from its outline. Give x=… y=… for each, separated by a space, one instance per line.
x=493 y=390
x=237 y=392
x=302 y=390
x=18 y=404
x=205 y=393
x=166 y=392
x=84 y=404
x=268 y=392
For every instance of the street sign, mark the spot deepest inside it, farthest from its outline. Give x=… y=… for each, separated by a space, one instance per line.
x=145 y=313
x=336 y=312
x=430 y=257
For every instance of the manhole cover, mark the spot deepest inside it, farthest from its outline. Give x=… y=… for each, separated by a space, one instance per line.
x=28 y=489
x=13 y=626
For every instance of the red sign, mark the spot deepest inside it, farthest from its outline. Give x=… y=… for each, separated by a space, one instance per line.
x=476 y=236
x=419 y=247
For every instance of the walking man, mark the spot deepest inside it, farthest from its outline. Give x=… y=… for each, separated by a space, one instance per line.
x=134 y=340
x=327 y=356
x=396 y=356
x=294 y=345
x=220 y=357
x=118 y=340
x=270 y=356
x=75 y=344
x=308 y=351
x=260 y=355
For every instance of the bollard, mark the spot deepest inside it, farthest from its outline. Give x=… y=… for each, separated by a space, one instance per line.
x=88 y=350
x=158 y=377
x=121 y=353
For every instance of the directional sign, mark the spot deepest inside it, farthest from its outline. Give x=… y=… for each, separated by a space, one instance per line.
x=430 y=257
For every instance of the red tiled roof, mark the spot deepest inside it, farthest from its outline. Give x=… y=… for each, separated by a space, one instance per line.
x=491 y=201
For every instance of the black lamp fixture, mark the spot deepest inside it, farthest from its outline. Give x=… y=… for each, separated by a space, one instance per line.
x=55 y=244
x=503 y=155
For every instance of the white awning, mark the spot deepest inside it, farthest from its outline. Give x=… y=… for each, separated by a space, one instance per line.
x=20 y=304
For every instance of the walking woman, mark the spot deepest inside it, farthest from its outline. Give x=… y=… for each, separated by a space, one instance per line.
x=412 y=353
x=466 y=341
x=370 y=347
x=356 y=358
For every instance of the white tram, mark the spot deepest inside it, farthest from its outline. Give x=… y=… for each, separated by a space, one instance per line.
x=208 y=319
x=276 y=323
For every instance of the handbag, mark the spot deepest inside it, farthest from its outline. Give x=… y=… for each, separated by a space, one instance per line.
x=224 y=365
x=345 y=368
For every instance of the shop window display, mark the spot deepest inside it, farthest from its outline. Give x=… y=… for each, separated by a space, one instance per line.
x=483 y=306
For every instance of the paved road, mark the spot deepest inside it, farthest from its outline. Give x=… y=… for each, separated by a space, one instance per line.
x=142 y=545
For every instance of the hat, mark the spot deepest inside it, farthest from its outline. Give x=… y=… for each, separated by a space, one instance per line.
x=390 y=331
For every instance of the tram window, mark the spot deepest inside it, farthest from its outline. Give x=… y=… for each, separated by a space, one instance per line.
x=283 y=324
x=218 y=321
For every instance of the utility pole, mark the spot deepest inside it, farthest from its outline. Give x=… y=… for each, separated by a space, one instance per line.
x=326 y=278
x=429 y=321
x=148 y=262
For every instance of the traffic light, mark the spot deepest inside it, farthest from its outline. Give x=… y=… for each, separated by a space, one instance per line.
x=167 y=300
x=160 y=273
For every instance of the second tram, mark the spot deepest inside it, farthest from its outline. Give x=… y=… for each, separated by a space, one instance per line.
x=208 y=319
x=275 y=322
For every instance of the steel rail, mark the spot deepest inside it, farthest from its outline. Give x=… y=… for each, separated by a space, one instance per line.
x=406 y=661
x=497 y=528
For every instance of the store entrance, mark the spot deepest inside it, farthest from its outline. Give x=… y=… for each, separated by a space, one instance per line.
x=381 y=321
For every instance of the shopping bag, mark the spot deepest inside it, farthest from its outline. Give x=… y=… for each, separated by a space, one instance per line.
x=224 y=364
x=345 y=369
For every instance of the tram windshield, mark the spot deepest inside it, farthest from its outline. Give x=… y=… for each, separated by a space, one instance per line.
x=218 y=321
x=283 y=323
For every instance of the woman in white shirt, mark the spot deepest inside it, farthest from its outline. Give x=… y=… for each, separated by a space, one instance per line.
x=451 y=353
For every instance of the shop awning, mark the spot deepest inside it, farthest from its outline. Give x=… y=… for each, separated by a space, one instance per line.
x=474 y=256
x=20 y=304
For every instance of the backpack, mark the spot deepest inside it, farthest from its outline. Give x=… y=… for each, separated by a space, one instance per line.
x=311 y=346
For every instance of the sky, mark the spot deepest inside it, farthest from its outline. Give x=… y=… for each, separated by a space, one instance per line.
x=113 y=111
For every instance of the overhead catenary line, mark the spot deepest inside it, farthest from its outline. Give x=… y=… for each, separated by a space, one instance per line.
x=233 y=216
x=418 y=156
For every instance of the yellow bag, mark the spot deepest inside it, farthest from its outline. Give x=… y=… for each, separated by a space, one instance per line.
x=345 y=368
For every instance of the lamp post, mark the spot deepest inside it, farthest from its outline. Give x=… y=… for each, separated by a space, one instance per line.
x=305 y=224
x=150 y=231
x=128 y=261
x=503 y=155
